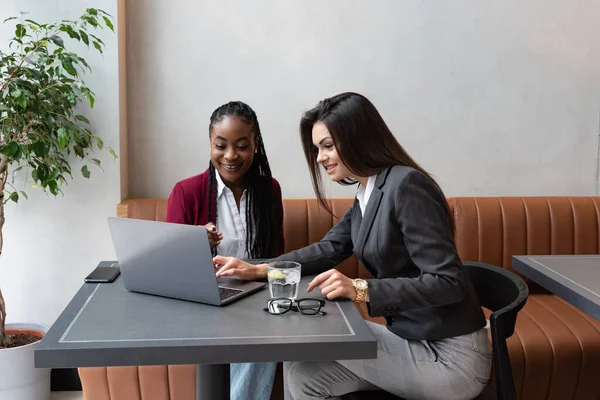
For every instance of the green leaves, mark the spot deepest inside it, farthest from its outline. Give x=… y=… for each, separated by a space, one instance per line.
x=99 y=142
x=63 y=138
x=57 y=40
x=71 y=32
x=89 y=95
x=40 y=149
x=84 y=37
x=108 y=23
x=22 y=101
x=41 y=90
x=83 y=119
x=85 y=172
x=68 y=66
x=19 y=98
x=79 y=151
x=20 y=31
x=10 y=149
x=53 y=174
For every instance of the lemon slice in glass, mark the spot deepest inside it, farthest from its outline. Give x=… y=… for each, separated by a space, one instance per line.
x=275 y=275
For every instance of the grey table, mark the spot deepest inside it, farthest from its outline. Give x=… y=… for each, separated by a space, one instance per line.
x=106 y=325
x=576 y=279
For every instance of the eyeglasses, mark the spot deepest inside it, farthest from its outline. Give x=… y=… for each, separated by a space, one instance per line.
x=281 y=305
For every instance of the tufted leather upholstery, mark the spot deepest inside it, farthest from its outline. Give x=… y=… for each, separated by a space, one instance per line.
x=555 y=351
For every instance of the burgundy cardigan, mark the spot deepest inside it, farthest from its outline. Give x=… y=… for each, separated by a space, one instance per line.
x=187 y=204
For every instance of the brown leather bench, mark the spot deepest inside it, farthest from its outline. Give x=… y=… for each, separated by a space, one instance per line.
x=555 y=351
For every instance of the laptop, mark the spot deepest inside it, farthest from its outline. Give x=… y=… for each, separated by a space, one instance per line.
x=172 y=260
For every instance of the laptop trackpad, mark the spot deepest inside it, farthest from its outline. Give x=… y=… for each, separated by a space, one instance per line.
x=225 y=292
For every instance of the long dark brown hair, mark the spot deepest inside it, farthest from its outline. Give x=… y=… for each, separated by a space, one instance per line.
x=362 y=140
x=260 y=208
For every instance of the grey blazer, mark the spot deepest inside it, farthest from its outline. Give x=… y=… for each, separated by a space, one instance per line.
x=405 y=241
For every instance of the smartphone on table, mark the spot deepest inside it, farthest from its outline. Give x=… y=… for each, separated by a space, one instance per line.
x=105 y=272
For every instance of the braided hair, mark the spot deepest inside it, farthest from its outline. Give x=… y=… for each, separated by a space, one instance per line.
x=261 y=219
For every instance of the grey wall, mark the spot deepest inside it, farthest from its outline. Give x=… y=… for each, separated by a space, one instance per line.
x=491 y=97
x=51 y=244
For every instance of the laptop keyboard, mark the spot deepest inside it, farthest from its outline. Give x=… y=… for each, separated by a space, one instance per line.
x=226 y=293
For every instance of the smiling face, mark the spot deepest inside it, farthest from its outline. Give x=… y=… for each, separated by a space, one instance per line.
x=327 y=155
x=232 y=148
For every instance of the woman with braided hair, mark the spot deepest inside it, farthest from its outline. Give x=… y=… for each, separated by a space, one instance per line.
x=239 y=203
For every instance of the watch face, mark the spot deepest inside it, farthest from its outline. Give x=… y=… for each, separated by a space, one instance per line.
x=362 y=285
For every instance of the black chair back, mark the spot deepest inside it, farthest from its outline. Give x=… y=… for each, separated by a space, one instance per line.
x=504 y=293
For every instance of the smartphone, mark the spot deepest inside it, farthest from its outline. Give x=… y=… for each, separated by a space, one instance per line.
x=105 y=272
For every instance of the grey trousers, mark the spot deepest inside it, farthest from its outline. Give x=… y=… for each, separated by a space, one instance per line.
x=454 y=369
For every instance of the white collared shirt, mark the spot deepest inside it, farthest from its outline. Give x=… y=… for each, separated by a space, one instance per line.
x=231 y=222
x=363 y=193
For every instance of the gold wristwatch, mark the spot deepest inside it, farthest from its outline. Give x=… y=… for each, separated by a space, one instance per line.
x=361 y=286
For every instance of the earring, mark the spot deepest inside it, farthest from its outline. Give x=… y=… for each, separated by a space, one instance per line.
x=255 y=151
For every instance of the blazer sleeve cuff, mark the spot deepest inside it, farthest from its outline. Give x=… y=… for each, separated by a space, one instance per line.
x=379 y=304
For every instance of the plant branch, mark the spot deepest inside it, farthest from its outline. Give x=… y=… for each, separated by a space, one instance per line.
x=4 y=338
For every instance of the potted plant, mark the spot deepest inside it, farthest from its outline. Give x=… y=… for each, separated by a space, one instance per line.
x=41 y=135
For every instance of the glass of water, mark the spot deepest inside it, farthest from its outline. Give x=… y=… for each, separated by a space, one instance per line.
x=284 y=279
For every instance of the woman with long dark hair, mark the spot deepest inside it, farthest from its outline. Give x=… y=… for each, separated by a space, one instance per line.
x=434 y=345
x=239 y=203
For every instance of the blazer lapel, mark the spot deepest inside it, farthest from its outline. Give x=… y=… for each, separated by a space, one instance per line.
x=356 y=220
x=370 y=212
